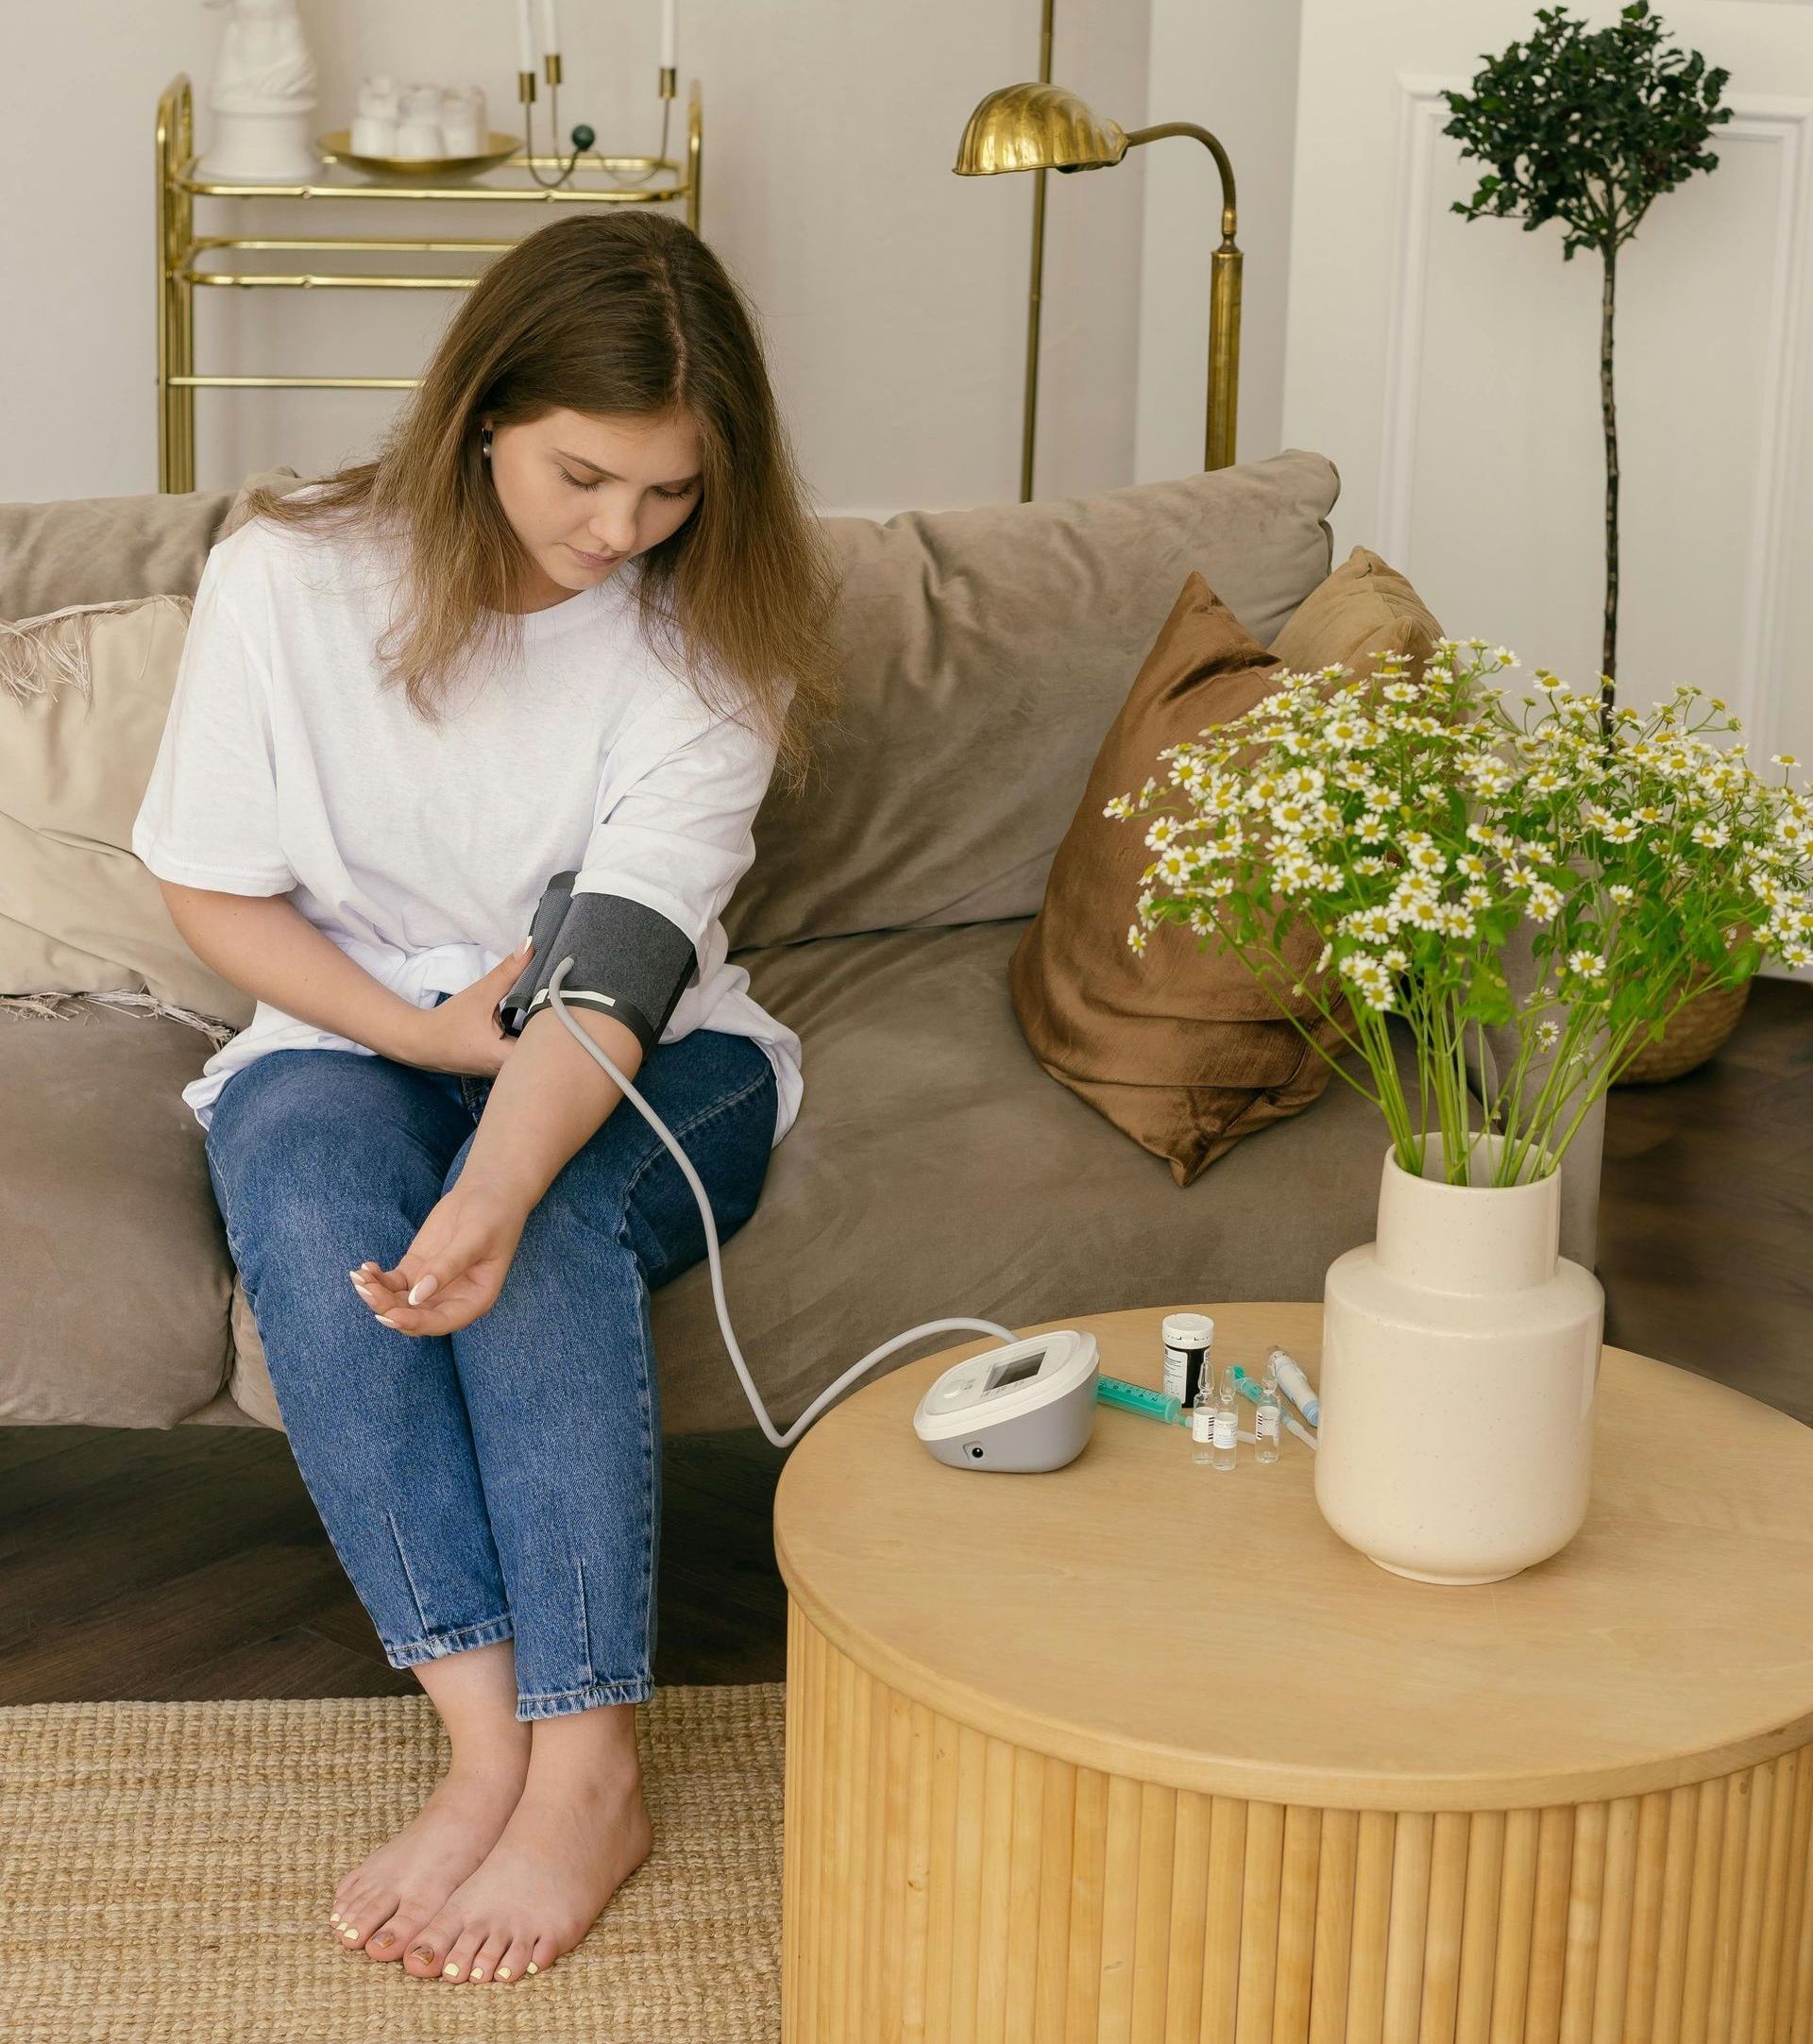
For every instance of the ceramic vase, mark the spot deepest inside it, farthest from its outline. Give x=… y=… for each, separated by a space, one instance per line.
x=1460 y=1366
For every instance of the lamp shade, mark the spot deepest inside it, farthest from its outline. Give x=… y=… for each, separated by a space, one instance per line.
x=1037 y=127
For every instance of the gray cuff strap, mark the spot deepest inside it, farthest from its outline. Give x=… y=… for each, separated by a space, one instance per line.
x=628 y=961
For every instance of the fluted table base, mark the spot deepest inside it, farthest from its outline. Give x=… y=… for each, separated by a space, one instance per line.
x=944 y=1884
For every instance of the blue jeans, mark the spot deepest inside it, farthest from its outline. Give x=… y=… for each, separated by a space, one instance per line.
x=503 y=1480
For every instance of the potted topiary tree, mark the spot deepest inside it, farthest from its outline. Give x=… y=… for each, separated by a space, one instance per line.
x=1590 y=126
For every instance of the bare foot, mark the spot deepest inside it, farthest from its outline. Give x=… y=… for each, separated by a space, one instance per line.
x=382 y=1902
x=570 y=1844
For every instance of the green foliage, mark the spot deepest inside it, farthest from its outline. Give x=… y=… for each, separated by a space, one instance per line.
x=1417 y=829
x=1588 y=126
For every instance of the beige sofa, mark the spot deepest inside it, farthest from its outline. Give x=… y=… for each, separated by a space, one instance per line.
x=935 y=1168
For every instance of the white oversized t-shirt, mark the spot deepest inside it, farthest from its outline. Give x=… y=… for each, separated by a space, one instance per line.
x=286 y=767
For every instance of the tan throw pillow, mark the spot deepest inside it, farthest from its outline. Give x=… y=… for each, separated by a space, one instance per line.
x=1181 y=1049
x=84 y=694
x=1363 y=609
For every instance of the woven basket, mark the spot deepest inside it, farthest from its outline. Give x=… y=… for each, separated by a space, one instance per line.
x=1690 y=1038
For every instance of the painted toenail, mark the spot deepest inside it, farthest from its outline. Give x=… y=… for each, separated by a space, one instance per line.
x=350 y=1932
x=477 y=1972
x=451 y=1970
x=503 y=1972
x=529 y=1967
x=333 y=1915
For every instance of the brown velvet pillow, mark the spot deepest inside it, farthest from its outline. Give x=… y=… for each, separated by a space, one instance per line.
x=1179 y=1049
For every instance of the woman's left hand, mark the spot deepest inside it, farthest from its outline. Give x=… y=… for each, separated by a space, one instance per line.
x=455 y=1266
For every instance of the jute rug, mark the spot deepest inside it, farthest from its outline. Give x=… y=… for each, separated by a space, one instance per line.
x=166 y=1871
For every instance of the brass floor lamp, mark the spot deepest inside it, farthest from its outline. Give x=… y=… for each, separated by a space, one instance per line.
x=1041 y=127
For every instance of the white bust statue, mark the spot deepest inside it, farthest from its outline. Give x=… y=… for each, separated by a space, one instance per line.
x=262 y=95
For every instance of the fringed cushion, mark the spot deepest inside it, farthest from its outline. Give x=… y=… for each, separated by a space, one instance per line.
x=84 y=692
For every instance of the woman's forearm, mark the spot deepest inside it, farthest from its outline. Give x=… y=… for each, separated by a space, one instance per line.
x=264 y=945
x=550 y=1099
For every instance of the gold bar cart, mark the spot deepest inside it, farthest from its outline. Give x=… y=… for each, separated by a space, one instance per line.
x=179 y=246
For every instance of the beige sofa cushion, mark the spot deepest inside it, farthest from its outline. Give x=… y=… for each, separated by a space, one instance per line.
x=114 y=1275
x=98 y=550
x=984 y=654
x=83 y=698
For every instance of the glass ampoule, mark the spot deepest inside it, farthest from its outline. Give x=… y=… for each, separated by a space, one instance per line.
x=1267 y=1420
x=1226 y=1389
x=1226 y=1436
x=1202 y=1422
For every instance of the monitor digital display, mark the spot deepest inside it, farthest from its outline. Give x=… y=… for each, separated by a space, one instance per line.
x=1016 y=1373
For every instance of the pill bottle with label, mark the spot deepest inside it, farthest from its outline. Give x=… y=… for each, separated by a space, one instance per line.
x=1189 y=1341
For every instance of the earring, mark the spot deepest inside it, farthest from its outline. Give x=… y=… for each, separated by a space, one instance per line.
x=484 y=444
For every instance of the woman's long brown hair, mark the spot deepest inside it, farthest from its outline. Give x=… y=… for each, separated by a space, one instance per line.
x=627 y=311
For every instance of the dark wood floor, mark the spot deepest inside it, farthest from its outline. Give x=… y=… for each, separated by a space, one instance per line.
x=192 y=1565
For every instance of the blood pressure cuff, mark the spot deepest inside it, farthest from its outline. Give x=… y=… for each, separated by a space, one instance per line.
x=628 y=961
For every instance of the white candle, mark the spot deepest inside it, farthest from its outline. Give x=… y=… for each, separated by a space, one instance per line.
x=669 y=9
x=525 y=39
x=550 y=27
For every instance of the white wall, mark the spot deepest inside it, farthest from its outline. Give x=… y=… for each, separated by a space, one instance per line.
x=1450 y=367
x=892 y=292
x=1229 y=66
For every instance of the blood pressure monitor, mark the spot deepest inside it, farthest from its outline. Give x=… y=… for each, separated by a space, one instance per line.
x=1023 y=1407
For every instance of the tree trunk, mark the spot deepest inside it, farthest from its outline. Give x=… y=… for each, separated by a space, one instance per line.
x=1608 y=660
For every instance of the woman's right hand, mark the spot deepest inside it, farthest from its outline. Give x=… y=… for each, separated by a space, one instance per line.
x=462 y=1033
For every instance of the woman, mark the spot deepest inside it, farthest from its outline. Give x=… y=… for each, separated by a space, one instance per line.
x=571 y=618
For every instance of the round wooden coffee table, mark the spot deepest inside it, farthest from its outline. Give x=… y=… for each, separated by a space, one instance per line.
x=1138 y=1749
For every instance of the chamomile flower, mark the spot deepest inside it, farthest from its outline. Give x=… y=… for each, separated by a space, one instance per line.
x=1371 y=925
x=1370 y=980
x=1294 y=872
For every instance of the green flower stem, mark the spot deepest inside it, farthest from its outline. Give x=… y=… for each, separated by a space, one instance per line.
x=1389 y=1100
x=1556 y=1091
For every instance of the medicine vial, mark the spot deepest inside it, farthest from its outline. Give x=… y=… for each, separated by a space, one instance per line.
x=1188 y=1340
x=1226 y=1436
x=1266 y=1427
x=1202 y=1425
